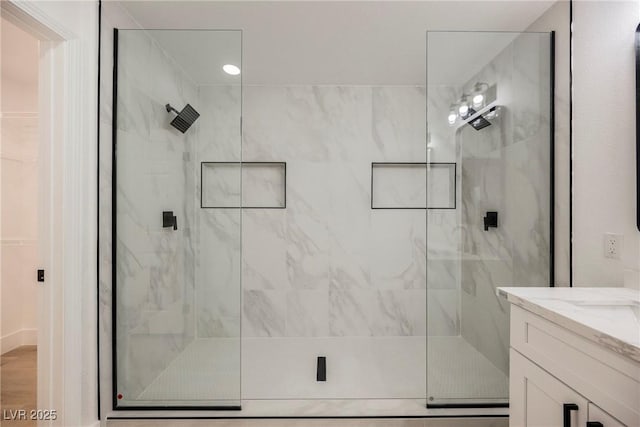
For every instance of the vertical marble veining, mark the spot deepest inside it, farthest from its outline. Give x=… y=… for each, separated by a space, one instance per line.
x=506 y=168
x=154 y=265
x=365 y=269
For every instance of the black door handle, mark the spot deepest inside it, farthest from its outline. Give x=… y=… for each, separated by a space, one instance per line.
x=566 y=413
x=594 y=424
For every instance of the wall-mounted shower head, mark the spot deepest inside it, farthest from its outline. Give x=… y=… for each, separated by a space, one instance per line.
x=483 y=120
x=479 y=122
x=184 y=118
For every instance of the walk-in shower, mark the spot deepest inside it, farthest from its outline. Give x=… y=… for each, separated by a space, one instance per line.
x=324 y=249
x=176 y=272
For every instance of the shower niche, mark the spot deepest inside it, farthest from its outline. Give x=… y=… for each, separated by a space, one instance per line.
x=176 y=267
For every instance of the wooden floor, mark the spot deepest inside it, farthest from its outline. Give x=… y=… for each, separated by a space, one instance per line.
x=18 y=382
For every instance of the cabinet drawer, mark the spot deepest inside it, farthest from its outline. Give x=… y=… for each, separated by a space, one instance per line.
x=605 y=378
x=536 y=398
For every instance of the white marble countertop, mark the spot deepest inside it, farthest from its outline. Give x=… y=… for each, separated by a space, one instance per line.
x=607 y=316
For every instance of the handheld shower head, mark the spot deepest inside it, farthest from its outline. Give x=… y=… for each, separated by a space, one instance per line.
x=184 y=118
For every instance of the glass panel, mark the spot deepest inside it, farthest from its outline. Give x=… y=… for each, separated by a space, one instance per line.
x=489 y=111
x=177 y=264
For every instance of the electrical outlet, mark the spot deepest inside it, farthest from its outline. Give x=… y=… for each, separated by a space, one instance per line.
x=612 y=245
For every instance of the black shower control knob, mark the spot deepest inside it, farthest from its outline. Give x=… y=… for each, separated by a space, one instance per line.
x=169 y=220
x=490 y=220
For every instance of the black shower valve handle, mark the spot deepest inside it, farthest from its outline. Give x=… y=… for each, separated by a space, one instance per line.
x=169 y=220
x=490 y=220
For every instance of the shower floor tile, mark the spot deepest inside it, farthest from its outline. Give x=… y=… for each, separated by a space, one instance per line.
x=208 y=370
x=456 y=370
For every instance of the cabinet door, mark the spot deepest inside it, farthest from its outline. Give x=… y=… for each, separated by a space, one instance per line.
x=598 y=415
x=538 y=399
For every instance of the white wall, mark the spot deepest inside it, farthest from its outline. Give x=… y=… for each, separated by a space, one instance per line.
x=19 y=181
x=68 y=358
x=604 y=141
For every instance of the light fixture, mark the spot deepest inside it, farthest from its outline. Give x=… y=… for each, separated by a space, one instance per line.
x=479 y=98
x=231 y=69
x=453 y=114
x=463 y=108
x=478 y=94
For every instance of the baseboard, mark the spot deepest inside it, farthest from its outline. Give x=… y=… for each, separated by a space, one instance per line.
x=18 y=339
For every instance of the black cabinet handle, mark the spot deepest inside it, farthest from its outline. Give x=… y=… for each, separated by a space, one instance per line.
x=594 y=424
x=566 y=413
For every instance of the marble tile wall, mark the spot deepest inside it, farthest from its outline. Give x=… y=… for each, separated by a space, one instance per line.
x=443 y=230
x=218 y=237
x=155 y=265
x=506 y=168
x=327 y=265
x=252 y=185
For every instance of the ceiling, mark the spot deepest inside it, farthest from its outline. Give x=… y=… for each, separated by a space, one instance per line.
x=333 y=42
x=201 y=54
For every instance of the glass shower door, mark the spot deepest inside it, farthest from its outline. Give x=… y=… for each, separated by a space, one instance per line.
x=490 y=112
x=177 y=235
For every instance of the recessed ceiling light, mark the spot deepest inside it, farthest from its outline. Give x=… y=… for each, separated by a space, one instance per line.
x=231 y=69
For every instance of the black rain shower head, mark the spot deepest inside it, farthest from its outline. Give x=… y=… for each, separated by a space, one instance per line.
x=184 y=118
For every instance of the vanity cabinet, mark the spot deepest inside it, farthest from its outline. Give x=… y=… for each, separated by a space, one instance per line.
x=539 y=399
x=559 y=378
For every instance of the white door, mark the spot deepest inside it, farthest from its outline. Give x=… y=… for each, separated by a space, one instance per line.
x=538 y=399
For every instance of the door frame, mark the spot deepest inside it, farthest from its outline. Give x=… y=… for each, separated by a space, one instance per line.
x=67 y=196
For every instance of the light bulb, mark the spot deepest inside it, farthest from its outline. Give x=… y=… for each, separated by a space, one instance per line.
x=463 y=110
x=231 y=69
x=453 y=114
x=478 y=94
x=478 y=100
